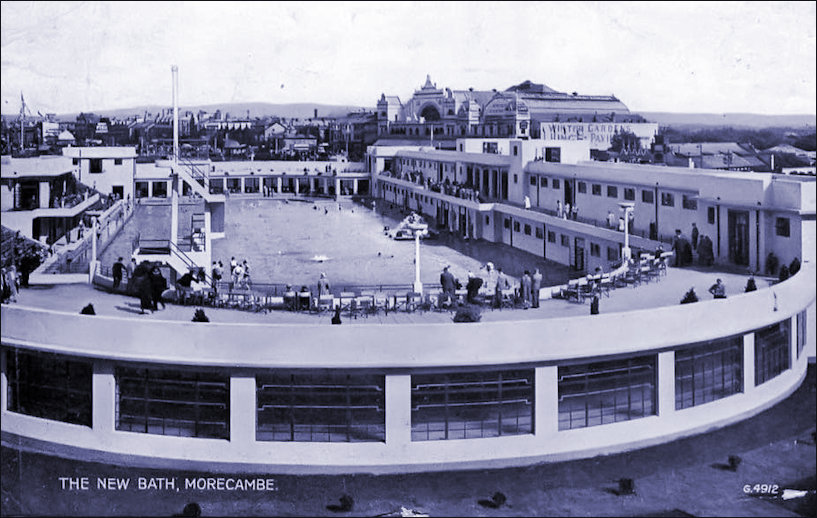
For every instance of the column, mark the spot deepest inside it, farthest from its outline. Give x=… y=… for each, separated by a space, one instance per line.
x=4 y=381
x=174 y=209
x=546 y=398
x=279 y=183
x=354 y=186
x=242 y=409
x=297 y=187
x=242 y=184
x=325 y=187
x=103 y=391
x=150 y=189
x=337 y=187
x=666 y=383
x=748 y=362
x=761 y=242
x=398 y=409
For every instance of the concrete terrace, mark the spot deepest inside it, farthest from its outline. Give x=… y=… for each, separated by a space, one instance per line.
x=668 y=291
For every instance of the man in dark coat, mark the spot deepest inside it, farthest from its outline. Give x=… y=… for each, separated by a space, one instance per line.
x=158 y=284
x=472 y=287
x=449 y=284
x=118 y=270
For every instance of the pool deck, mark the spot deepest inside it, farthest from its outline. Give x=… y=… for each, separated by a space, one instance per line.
x=667 y=291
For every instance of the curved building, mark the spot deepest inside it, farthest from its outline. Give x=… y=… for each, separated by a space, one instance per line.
x=396 y=397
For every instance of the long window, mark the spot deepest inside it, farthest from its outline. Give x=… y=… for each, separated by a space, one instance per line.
x=598 y=393
x=170 y=402
x=320 y=407
x=708 y=372
x=802 y=324
x=49 y=386
x=466 y=405
x=772 y=352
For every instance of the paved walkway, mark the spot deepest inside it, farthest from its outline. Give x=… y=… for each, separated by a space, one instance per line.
x=667 y=291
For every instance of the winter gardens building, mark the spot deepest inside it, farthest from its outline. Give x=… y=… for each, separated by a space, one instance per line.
x=419 y=396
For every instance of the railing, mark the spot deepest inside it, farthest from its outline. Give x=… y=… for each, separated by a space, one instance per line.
x=195 y=172
x=166 y=247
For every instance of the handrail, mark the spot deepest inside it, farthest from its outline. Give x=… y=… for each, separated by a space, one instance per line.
x=167 y=247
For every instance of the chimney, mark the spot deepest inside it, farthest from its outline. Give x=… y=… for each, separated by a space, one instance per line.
x=316 y=114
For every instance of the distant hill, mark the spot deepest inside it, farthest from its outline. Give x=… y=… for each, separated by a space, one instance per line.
x=236 y=110
x=746 y=120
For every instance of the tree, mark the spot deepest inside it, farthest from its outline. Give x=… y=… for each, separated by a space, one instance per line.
x=624 y=140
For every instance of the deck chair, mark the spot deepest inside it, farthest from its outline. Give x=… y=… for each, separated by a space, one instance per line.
x=346 y=298
x=571 y=290
x=381 y=302
x=325 y=303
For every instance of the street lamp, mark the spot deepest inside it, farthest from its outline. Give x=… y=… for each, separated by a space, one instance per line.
x=419 y=229
x=627 y=207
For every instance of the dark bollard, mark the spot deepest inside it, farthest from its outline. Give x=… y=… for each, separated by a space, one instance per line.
x=626 y=486
x=347 y=503
x=734 y=462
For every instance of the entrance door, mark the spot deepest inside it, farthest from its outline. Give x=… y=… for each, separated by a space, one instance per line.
x=568 y=193
x=578 y=254
x=739 y=237
x=118 y=191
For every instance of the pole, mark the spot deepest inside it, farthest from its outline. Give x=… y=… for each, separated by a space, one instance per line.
x=175 y=70
x=94 y=226
x=418 y=286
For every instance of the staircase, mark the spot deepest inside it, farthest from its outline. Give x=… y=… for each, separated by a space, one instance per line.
x=198 y=180
x=165 y=252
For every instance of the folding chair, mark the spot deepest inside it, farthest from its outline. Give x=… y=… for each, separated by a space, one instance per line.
x=325 y=303
x=381 y=302
x=571 y=290
x=346 y=298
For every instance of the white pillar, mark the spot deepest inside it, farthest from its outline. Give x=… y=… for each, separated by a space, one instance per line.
x=175 y=71
x=666 y=383
x=418 y=285
x=337 y=187
x=174 y=208
x=103 y=403
x=398 y=410
x=748 y=363
x=94 y=228
x=546 y=400
x=279 y=183
x=297 y=186
x=4 y=381
x=242 y=184
x=242 y=409
x=354 y=186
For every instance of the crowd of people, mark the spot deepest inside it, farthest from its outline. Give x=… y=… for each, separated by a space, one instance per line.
x=492 y=284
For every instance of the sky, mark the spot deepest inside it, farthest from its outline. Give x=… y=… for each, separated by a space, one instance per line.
x=687 y=57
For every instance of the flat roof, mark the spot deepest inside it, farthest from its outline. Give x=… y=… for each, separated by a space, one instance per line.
x=42 y=166
x=645 y=174
x=458 y=156
x=100 y=152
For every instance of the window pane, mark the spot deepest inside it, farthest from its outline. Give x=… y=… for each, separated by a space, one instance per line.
x=772 y=352
x=49 y=386
x=170 y=402
x=708 y=372
x=464 y=405
x=320 y=407
x=605 y=392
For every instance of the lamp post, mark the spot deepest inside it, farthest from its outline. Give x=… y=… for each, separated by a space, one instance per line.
x=627 y=207
x=419 y=230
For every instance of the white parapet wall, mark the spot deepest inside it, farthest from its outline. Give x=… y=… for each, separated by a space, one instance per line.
x=242 y=351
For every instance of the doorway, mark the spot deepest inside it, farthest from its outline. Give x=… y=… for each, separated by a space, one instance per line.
x=578 y=254
x=738 y=232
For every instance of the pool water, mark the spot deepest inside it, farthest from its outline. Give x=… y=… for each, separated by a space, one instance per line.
x=282 y=241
